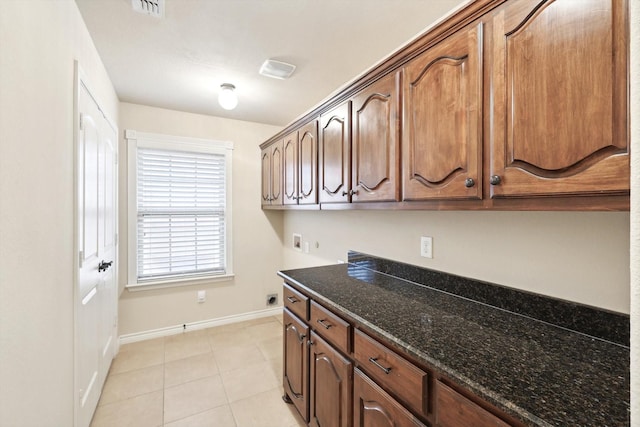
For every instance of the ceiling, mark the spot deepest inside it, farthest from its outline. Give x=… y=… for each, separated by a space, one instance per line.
x=179 y=61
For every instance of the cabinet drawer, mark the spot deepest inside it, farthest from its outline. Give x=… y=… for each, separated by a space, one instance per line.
x=453 y=410
x=374 y=407
x=392 y=371
x=331 y=327
x=296 y=302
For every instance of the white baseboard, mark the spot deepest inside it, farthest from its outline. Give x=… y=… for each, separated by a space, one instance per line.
x=203 y=324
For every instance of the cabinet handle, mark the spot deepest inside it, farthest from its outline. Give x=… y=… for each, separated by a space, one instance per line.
x=469 y=182
x=301 y=338
x=292 y=300
x=310 y=343
x=345 y=193
x=374 y=360
x=324 y=323
x=350 y=193
x=495 y=179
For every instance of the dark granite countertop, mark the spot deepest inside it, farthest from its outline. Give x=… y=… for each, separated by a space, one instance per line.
x=542 y=374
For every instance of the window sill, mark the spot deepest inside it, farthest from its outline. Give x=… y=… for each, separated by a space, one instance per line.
x=149 y=286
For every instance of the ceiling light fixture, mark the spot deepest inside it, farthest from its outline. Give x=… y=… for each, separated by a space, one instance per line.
x=227 y=98
x=277 y=69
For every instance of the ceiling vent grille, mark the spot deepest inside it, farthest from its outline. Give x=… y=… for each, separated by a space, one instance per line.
x=154 y=8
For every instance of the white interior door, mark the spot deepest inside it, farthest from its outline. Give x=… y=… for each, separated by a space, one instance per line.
x=96 y=295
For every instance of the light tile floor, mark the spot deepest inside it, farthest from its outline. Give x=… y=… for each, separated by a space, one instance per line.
x=227 y=376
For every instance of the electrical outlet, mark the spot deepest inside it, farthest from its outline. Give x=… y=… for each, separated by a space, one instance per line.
x=426 y=247
x=272 y=299
x=202 y=296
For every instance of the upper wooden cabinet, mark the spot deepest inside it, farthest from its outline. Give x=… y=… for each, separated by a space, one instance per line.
x=334 y=155
x=301 y=166
x=272 y=158
x=559 y=95
x=506 y=104
x=442 y=132
x=290 y=169
x=375 y=150
x=308 y=164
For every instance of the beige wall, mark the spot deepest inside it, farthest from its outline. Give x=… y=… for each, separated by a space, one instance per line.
x=39 y=41
x=579 y=256
x=256 y=237
x=635 y=213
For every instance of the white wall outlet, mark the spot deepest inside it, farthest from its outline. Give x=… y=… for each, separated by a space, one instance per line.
x=426 y=247
x=202 y=296
x=297 y=242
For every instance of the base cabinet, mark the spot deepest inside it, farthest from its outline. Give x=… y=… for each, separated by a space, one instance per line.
x=331 y=378
x=337 y=375
x=295 y=366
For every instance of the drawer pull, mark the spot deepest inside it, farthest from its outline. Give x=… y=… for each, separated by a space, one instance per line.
x=292 y=300
x=324 y=323
x=374 y=360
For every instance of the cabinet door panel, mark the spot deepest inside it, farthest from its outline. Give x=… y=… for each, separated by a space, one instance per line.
x=266 y=176
x=276 y=174
x=560 y=98
x=333 y=155
x=373 y=407
x=331 y=379
x=442 y=135
x=290 y=169
x=308 y=164
x=295 y=367
x=375 y=150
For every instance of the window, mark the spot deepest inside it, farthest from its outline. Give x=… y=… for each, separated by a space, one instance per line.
x=179 y=210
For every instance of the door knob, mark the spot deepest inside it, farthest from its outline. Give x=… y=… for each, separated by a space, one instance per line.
x=103 y=266
x=495 y=179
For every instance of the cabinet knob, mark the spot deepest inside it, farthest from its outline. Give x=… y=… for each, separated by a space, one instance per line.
x=469 y=182
x=495 y=179
x=345 y=193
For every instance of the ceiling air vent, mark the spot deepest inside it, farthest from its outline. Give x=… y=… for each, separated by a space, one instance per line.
x=150 y=7
x=277 y=69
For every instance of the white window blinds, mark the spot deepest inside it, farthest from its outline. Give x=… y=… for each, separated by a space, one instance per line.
x=180 y=214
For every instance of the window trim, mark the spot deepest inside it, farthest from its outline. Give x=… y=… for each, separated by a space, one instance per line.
x=136 y=139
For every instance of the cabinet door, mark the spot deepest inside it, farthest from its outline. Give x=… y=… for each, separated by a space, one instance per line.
x=295 y=367
x=266 y=176
x=331 y=379
x=376 y=142
x=308 y=164
x=442 y=134
x=333 y=155
x=290 y=169
x=373 y=407
x=276 y=173
x=559 y=96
